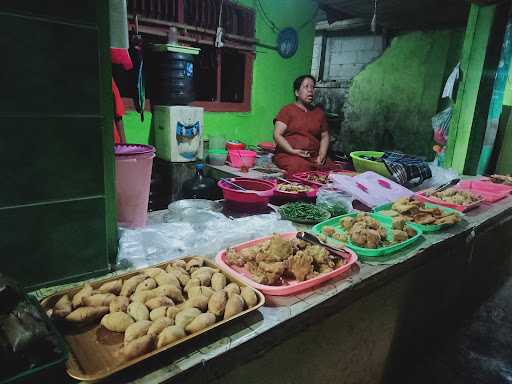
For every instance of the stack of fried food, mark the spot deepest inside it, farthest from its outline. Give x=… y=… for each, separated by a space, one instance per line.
x=501 y=179
x=293 y=187
x=455 y=196
x=364 y=231
x=277 y=259
x=157 y=306
x=415 y=211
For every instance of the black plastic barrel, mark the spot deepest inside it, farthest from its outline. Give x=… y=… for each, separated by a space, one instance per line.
x=171 y=78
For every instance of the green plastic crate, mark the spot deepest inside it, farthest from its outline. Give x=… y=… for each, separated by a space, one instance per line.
x=424 y=228
x=382 y=251
x=363 y=165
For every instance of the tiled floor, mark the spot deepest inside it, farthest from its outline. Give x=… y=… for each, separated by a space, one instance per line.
x=479 y=352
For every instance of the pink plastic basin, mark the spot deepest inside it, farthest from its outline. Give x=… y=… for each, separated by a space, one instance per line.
x=422 y=196
x=290 y=286
x=490 y=192
x=258 y=191
x=133 y=176
x=239 y=158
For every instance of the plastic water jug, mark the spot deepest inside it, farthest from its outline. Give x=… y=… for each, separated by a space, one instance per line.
x=199 y=186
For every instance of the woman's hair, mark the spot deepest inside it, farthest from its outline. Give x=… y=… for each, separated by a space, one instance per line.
x=298 y=81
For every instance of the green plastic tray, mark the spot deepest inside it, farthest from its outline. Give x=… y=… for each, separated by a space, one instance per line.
x=325 y=216
x=424 y=228
x=382 y=251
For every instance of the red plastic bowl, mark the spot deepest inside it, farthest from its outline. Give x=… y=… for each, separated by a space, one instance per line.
x=258 y=191
x=230 y=146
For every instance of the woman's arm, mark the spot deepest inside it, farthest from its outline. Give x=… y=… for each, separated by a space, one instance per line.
x=279 y=138
x=324 y=146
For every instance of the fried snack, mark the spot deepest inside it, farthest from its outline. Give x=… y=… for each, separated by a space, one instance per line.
x=179 y=264
x=157 y=313
x=172 y=312
x=117 y=321
x=249 y=297
x=411 y=232
x=424 y=218
x=343 y=237
x=185 y=316
x=159 y=325
x=171 y=291
x=159 y=301
x=143 y=296
x=165 y=278
x=152 y=272
x=136 y=330
x=197 y=291
x=194 y=262
x=138 y=311
x=204 y=320
x=192 y=283
x=450 y=219
x=454 y=196
x=182 y=275
x=98 y=300
x=389 y=213
x=217 y=303
x=113 y=286
x=218 y=281
x=203 y=276
x=119 y=304
x=234 y=306
x=200 y=302
x=62 y=307
x=347 y=223
x=300 y=265
x=78 y=297
x=130 y=284
x=279 y=249
x=328 y=231
x=146 y=285
x=398 y=222
x=231 y=289
x=170 y=335
x=373 y=239
x=137 y=347
x=399 y=236
x=86 y=314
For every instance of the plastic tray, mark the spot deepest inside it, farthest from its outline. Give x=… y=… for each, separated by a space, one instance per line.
x=296 y=195
x=303 y=177
x=363 y=165
x=461 y=208
x=95 y=351
x=424 y=228
x=382 y=251
x=325 y=215
x=28 y=374
x=489 y=191
x=292 y=286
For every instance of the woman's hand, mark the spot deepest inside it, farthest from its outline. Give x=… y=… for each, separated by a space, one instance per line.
x=301 y=153
x=320 y=160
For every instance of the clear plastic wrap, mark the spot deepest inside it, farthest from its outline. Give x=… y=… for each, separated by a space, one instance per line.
x=200 y=232
x=336 y=201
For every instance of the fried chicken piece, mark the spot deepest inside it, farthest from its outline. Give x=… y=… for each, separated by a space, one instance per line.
x=279 y=248
x=329 y=231
x=424 y=218
x=358 y=235
x=234 y=258
x=300 y=265
x=347 y=223
x=372 y=239
x=249 y=254
x=399 y=236
x=403 y=205
x=318 y=253
x=270 y=277
x=411 y=232
x=274 y=268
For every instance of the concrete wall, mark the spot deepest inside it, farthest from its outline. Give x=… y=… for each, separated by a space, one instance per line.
x=272 y=77
x=391 y=102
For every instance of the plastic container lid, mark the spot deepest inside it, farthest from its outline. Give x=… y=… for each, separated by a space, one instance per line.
x=133 y=149
x=218 y=151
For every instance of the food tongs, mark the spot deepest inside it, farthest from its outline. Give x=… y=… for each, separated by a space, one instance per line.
x=444 y=186
x=312 y=239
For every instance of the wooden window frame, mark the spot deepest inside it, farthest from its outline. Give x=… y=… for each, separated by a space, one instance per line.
x=196 y=35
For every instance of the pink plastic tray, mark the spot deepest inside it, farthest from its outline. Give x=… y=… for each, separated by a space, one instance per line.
x=303 y=177
x=491 y=192
x=298 y=195
x=462 y=208
x=292 y=286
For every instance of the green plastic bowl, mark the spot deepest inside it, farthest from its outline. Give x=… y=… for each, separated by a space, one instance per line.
x=363 y=165
x=387 y=222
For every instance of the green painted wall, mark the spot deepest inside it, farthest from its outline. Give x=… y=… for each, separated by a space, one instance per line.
x=391 y=102
x=272 y=77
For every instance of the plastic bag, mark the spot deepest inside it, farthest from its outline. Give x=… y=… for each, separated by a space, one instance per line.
x=200 y=233
x=336 y=201
x=441 y=124
x=440 y=176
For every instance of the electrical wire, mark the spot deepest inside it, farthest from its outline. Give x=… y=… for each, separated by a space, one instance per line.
x=273 y=25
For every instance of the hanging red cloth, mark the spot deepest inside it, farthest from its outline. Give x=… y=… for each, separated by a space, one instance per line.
x=118 y=110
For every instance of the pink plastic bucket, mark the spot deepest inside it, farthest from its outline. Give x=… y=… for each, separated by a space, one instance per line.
x=133 y=178
x=239 y=158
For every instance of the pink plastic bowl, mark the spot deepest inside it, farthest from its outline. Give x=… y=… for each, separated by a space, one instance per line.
x=258 y=191
x=239 y=158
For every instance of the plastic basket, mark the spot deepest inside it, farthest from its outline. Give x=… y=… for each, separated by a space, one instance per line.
x=382 y=251
x=363 y=165
x=424 y=228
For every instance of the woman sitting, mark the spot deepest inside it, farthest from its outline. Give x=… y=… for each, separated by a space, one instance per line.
x=301 y=131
